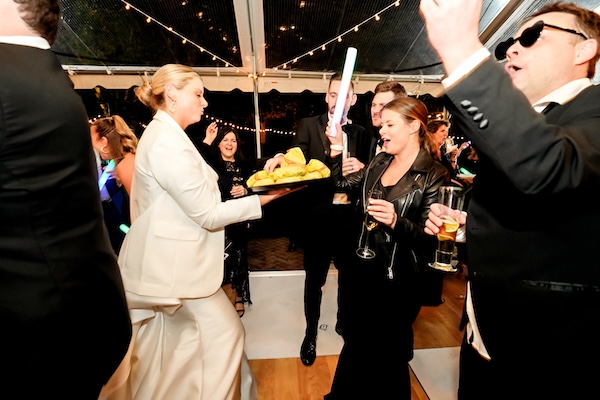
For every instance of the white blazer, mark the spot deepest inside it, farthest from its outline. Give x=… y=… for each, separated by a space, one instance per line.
x=175 y=244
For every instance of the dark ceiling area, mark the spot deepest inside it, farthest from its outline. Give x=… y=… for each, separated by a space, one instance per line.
x=264 y=37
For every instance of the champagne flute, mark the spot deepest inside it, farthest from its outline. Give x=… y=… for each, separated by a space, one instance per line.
x=370 y=223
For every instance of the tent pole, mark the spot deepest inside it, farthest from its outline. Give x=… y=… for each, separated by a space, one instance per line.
x=256 y=113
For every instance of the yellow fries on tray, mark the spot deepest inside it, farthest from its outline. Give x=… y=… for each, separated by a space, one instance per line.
x=293 y=169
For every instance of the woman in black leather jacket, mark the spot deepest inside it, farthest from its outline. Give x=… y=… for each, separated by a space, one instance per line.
x=380 y=298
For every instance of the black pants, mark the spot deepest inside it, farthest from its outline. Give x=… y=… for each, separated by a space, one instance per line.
x=322 y=244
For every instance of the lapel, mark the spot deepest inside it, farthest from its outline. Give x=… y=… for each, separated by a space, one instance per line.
x=176 y=129
x=408 y=183
x=321 y=126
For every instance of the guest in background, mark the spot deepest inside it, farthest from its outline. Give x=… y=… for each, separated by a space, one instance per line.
x=112 y=139
x=224 y=154
x=65 y=325
x=445 y=150
x=324 y=211
x=384 y=92
x=381 y=296
x=188 y=340
x=532 y=224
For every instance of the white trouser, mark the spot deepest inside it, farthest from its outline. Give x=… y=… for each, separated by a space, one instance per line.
x=181 y=349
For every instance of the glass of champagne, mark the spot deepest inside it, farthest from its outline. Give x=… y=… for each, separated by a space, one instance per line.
x=452 y=200
x=369 y=223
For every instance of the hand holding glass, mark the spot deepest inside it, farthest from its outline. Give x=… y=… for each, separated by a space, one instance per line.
x=452 y=200
x=370 y=223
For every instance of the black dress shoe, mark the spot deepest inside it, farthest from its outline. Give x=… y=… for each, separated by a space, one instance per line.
x=308 y=350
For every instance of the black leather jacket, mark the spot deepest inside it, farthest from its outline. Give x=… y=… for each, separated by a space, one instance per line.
x=406 y=249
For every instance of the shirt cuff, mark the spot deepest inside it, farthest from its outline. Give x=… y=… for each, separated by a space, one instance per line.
x=466 y=67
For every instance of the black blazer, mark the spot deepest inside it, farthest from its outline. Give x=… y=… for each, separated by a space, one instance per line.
x=533 y=221
x=311 y=138
x=59 y=278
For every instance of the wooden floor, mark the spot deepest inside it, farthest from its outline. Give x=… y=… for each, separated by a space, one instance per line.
x=289 y=379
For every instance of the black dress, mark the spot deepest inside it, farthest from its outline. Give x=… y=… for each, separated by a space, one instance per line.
x=236 y=235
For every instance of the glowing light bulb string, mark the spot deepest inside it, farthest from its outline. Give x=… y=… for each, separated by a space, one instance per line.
x=337 y=38
x=170 y=29
x=322 y=46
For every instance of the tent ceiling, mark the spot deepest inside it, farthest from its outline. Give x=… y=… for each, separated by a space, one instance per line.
x=112 y=42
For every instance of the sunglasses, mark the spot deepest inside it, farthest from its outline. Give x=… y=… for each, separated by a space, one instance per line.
x=529 y=37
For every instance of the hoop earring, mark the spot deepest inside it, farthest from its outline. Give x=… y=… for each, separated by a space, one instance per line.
x=173 y=106
x=102 y=149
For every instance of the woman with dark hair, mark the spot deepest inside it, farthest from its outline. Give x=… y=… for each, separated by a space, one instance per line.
x=380 y=297
x=223 y=152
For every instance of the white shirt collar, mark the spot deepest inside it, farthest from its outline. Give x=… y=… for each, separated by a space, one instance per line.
x=31 y=41
x=343 y=122
x=563 y=94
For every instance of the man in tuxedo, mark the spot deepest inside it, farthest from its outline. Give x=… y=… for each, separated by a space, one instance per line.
x=323 y=212
x=532 y=225
x=65 y=323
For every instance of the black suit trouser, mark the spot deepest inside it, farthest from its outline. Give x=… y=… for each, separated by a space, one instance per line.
x=327 y=223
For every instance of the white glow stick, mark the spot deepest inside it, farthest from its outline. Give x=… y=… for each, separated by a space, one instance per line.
x=106 y=174
x=341 y=99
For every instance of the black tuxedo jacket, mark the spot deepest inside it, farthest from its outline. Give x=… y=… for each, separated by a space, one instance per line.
x=314 y=204
x=533 y=221
x=61 y=295
x=311 y=138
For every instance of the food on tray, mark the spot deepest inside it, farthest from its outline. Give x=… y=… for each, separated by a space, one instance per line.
x=293 y=156
x=290 y=179
x=288 y=171
x=264 y=182
x=293 y=169
x=315 y=165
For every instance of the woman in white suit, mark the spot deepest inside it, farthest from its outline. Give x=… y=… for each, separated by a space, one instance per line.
x=188 y=340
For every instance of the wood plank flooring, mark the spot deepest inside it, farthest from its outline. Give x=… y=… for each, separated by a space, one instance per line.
x=289 y=379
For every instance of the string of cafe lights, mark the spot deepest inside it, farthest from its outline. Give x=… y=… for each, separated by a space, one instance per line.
x=284 y=65
x=184 y=40
x=338 y=38
x=246 y=128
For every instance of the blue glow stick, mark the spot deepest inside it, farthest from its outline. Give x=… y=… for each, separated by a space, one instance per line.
x=124 y=228
x=346 y=77
x=105 y=174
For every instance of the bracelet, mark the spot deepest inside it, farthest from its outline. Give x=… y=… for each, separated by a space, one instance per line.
x=337 y=147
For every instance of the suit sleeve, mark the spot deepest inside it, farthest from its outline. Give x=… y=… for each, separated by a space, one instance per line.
x=189 y=183
x=533 y=153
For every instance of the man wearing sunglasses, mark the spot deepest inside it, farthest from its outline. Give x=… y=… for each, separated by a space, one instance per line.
x=533 y=293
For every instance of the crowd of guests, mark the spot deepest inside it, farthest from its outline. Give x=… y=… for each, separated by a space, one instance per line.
x=155 y=313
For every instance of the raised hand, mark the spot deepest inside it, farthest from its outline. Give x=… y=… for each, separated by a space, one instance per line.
x=454 y=42
x=211 y=133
